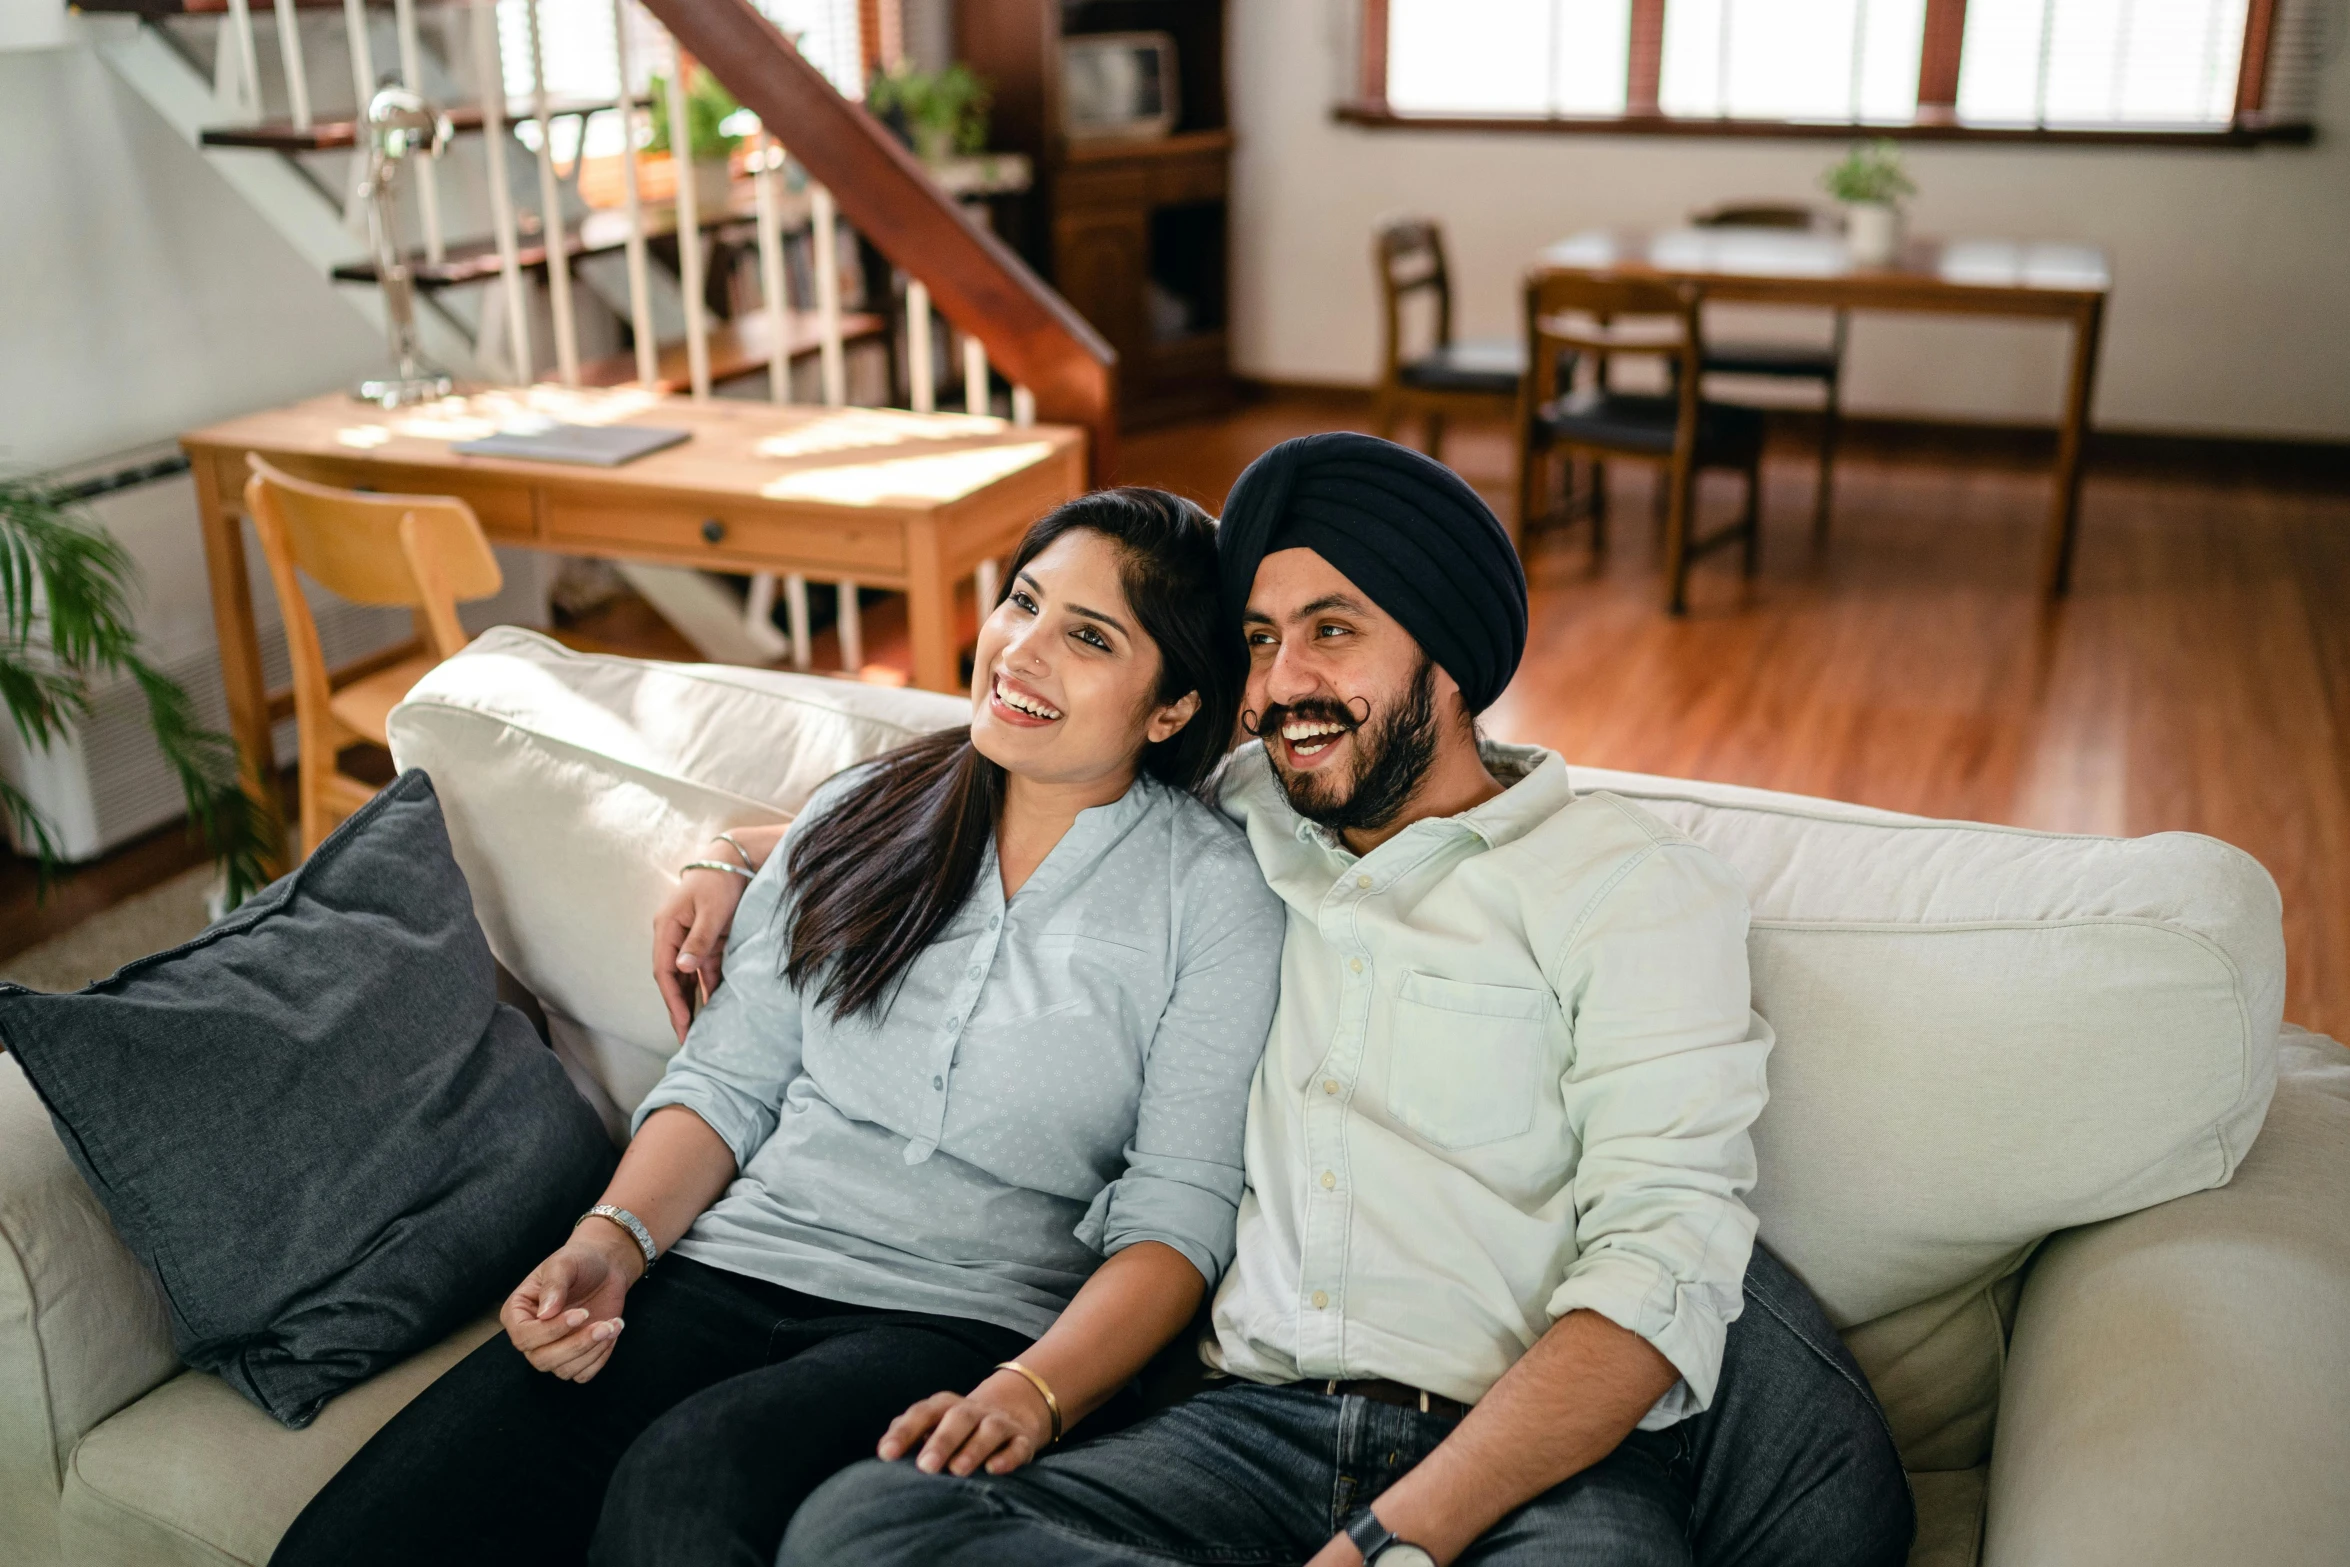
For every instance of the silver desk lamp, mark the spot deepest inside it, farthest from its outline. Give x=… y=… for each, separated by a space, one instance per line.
x=398 y=126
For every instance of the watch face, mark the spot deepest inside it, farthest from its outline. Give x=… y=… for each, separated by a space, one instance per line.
x=1402 y=1555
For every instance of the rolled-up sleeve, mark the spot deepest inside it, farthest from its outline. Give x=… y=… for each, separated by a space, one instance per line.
x=1182 y=1182
x=1663 y=1086
x=744 y=1047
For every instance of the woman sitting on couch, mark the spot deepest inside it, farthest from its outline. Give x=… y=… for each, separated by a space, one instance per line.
x=991 y=1019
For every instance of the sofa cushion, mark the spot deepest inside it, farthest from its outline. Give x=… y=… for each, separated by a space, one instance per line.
x=314 y=1122
x=575 y=785
x=192 y=1473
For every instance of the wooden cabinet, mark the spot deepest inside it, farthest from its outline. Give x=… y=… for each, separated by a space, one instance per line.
x=1135 y=234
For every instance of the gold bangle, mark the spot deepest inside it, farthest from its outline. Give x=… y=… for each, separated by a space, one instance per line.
x=1051 y=1403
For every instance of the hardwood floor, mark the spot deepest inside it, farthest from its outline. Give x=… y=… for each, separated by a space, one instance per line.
x=2197 y=680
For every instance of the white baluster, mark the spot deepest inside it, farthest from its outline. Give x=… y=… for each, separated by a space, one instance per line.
x=428 y=193
x=493 y=140
x=975 y=398
x=551 y=212
x=689 y=228
x=852 y=629
x=640 y=298
x=1023 y=406
x=289 y=56
x=248 y=63
x=767 y=183
x=988 y=579
x=827 y=240
x=759 y=608
x=795 y=610
x=921 y=375
x=362 y=53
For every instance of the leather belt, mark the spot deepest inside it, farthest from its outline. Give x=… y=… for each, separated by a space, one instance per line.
x=1381 y=1391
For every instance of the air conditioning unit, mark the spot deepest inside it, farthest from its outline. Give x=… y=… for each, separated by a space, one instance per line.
x=107 y=782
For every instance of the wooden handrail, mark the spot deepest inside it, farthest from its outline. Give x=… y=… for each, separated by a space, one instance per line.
x=974 y=278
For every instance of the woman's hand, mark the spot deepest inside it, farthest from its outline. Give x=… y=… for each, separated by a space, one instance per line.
x=565 y=1317
x=689 y=932
x=1002 y=1423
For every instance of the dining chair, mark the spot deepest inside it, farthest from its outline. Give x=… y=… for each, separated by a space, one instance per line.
x=1603 y=319
x=1475 y=378
x=426 y=554
x=1785 y=361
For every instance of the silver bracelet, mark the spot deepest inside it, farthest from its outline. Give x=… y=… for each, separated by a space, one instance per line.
x=716 y=865
x=727 y=838
x=629 y=1222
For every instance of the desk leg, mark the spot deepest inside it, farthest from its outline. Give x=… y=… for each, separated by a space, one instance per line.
x=222 y=520
x=930 y=610
x=2064 y=522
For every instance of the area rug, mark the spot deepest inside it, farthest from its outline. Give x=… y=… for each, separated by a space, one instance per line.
x=160 y=917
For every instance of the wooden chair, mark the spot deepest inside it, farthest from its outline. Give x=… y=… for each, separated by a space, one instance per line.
x=1610 y=318
x=424 y=553
x=1821 y=362
x=1476 y=378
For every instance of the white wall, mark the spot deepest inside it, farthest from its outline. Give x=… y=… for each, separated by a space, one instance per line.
x=139 y=296
x=2231 y=303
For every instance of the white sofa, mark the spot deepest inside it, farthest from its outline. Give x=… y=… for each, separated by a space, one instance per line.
x=2010 y=1143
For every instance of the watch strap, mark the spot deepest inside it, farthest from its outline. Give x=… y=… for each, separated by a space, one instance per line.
x=1370 y=1536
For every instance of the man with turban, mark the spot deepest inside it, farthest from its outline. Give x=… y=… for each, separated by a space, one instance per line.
x=1489 y=1301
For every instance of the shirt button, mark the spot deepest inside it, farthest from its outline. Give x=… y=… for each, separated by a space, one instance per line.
x=1329 y=1180
x=938 y=1082
x=1356 y=964
x=1321 y=1300
x=993 y=920
x=1330 y=1085
x=954 y=1025
x=1364 y=882
x=974 y=971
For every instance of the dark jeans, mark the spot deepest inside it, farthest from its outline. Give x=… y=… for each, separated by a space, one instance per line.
x=725 y=1403
x=1792 y=1467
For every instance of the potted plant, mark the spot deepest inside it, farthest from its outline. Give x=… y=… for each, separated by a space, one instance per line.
x=1870 y=182
x=715 y=126
x=937 y=113
x=65 y=624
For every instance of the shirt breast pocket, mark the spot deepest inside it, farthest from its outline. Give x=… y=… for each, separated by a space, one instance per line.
x=1464 y=1059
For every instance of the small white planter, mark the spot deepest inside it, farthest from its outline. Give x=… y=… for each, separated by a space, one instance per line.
x=713 y=184
x=1872 y=232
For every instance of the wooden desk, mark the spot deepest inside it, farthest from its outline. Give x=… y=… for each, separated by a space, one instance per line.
x=878 y=496
x=2059 y=282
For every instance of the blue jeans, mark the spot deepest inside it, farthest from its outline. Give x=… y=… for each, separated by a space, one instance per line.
x=1793 y=1466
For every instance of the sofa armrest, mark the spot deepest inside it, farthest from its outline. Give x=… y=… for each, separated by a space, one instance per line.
x=82 y=1325
x=2178 y=1379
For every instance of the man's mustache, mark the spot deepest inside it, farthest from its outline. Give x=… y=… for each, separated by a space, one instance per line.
x=1314 y=710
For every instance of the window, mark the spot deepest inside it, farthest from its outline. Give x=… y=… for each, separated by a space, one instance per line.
x=576 y=39
x=2150 y=68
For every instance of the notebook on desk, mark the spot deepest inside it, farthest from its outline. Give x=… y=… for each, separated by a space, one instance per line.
x=594 y=445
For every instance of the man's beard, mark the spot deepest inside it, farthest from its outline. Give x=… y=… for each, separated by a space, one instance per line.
x=1392 y=757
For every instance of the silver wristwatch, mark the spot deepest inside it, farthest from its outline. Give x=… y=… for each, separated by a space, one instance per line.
x=629 y=1222
x=1379 y=1544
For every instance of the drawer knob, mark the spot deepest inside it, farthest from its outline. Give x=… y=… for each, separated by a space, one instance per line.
x=712 y=530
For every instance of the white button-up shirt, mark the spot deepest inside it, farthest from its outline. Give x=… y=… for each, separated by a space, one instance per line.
x=1511 y=1076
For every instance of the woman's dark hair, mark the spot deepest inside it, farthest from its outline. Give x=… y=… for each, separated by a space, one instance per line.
x=875 y=877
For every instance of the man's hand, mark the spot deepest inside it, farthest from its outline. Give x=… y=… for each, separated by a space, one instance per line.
x=1001 y=1423
x=565 y=1318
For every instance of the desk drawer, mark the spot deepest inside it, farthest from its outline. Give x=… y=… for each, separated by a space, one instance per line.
x=729 y=537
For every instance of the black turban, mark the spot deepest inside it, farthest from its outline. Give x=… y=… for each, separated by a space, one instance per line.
x=1405 y=529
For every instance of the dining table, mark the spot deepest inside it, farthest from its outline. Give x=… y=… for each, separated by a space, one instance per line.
x=2054 y=280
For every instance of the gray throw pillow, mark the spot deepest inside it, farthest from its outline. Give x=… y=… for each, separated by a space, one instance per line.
x=315 y=1123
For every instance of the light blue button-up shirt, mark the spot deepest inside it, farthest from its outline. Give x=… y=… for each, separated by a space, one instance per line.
x=1055 y=1079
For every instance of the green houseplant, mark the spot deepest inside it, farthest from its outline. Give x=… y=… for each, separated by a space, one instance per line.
x=1870 y=181
x=65 y=624
x=939 y=113
x=715 y=125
